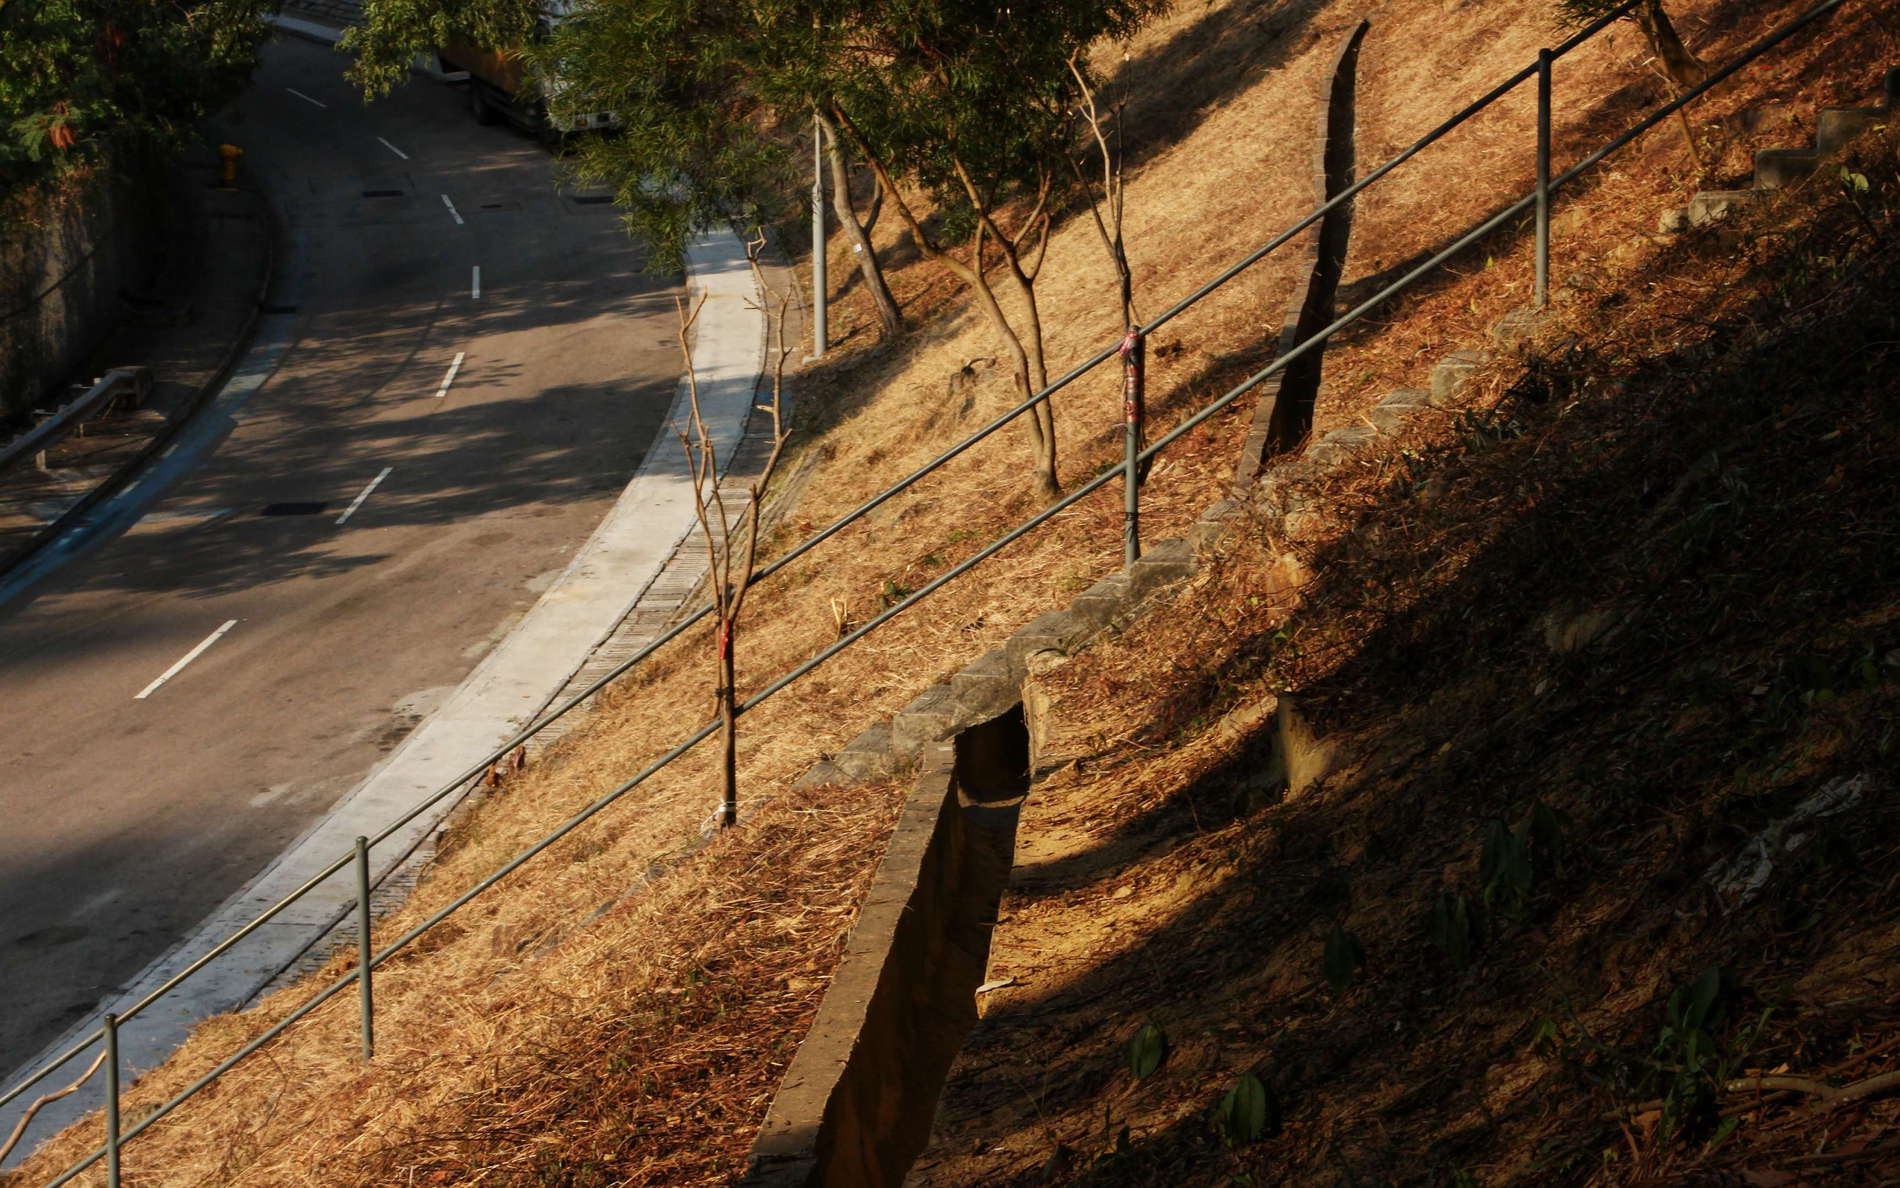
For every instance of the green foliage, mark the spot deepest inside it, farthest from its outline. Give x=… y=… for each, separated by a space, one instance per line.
x=1248 y=1113
x=715 y=99
x=1513 y=861
x=1455 y=928
x=1686 y=1052
x=1147 y=1051
x=1342 y=958
x=76 y=77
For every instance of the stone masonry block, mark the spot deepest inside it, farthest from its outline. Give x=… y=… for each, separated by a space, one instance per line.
x=930 y=718
x=1214 y=524
x=822 y=773
x=1162 y=564
x=1397 y=408
x=1516 y=327
x=1340 y=445
x=868 y=755
x=1711 y=205
x=1285 y=488
x=987 y=686
x=1835 y=126
x=1051 y=631
x=1775 y=168
x=1453 y=372
x=1101 y=604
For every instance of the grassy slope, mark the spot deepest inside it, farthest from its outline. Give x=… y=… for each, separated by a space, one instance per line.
x=481 y=1024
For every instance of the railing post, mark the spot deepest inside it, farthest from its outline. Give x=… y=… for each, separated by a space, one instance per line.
x=1540 y=294
x=364 y=950
x=1134 y=352
x=819 y=284
x=112 y=1100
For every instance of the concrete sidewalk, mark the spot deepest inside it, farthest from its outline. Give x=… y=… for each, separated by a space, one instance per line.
x=189 y=333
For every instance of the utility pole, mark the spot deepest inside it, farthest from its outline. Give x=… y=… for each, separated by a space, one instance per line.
x=817 y=239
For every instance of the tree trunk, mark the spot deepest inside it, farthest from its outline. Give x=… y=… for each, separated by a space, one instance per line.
x=1683 y=68
x=728 y=730
x=1037 y=377
x=888 y=315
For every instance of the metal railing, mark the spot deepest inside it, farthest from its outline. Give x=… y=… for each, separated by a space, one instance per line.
x=1134 y=460
x=102 y=392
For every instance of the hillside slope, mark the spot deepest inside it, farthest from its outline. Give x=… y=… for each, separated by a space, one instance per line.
x=619 y=1011
x=1606 y=677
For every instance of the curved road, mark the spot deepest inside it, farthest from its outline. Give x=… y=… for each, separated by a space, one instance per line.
x=128 y=818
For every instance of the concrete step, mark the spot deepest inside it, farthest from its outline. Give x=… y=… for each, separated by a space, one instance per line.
x=1095 y=608
x=868 y=755
x=1516 y=327
x=1453 y=372
x=1341 y=445
x=930 y=717
x=1164 y=564
x=1214 y=524
x=987 y=686
x=1709 y=206
x=1775 y=168
x=1397 y=407
x=1835 y=126
x=1057 y=632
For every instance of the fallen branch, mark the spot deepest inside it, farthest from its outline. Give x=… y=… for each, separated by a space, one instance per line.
x=19 y=1128
x=1829 y=1095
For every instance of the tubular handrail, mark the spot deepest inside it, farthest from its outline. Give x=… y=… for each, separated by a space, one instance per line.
x=66 y=419
x=1029 y=525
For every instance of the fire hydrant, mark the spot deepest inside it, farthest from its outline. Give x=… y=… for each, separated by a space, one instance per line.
x=228 y=177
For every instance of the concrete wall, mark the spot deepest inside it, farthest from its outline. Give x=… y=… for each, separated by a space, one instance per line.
x=65 y=259
x=855 y=1107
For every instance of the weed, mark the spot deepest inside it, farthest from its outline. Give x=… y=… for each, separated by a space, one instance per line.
x=1147 y=1051
x=1456 y=927
x=1248 y=1113
x=1342 y=958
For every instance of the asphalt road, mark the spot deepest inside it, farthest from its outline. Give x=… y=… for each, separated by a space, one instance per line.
x=124 y=818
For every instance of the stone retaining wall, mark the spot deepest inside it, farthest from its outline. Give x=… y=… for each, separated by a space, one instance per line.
x=65 y=261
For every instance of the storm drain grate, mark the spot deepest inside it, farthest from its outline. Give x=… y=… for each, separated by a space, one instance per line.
x=293 y=509
x=591 y=199
x=382 y=193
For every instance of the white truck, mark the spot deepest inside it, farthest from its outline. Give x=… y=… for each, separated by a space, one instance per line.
x=499 y=87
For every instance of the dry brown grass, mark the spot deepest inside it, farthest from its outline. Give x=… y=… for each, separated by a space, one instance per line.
x=1716 y=476
x=1220 y=103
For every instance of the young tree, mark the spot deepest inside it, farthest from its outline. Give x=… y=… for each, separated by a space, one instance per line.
x=708 y=95
x=964 y=103
x=969 y=102
x=889 y=317
x=1681 y=66
x=731 y=540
